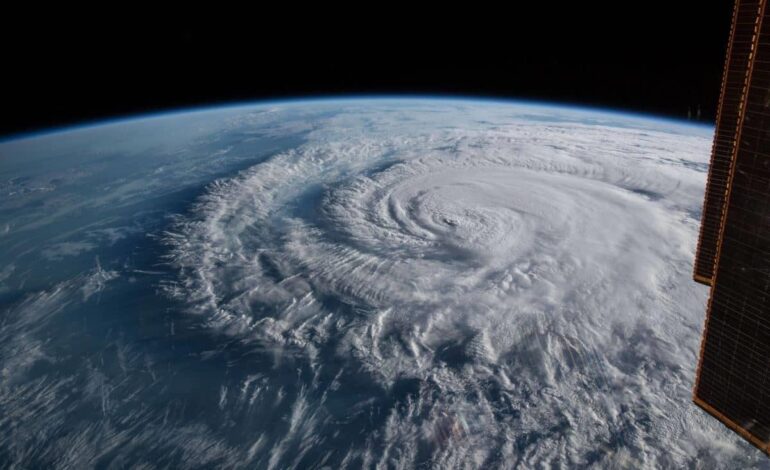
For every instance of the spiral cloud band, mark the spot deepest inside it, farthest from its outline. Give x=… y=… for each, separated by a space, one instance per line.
x=462 y=286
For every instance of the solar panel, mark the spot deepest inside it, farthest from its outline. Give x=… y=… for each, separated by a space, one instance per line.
x=733 y=377
x=733 y=88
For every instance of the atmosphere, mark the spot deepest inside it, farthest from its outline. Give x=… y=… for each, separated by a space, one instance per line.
x=659 y=57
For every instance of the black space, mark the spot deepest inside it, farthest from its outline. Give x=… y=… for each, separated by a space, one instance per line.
x=653 y=57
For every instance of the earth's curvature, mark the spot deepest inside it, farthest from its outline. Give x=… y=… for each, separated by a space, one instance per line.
x=362 y=283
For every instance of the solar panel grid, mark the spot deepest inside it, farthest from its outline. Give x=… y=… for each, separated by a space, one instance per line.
x=733 y=377
x=733 y=84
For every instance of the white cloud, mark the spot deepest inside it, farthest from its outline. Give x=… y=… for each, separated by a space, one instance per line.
x=532 y=277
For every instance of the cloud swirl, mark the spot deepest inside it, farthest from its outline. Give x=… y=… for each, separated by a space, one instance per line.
x=509 y=291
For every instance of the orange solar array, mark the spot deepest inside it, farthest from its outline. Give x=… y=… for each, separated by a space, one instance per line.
x=733 y=88
x=733 y=377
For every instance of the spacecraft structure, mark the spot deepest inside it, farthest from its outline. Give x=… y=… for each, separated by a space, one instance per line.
x=732 y=381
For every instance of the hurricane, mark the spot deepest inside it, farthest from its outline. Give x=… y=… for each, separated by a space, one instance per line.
x=408 y=284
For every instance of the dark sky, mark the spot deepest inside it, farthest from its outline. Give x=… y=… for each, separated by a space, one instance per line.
x=653 y=56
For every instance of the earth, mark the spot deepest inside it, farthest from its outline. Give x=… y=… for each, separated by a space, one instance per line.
x=356 y=283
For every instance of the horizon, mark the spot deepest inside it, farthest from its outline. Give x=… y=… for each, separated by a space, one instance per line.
x=298 y=100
